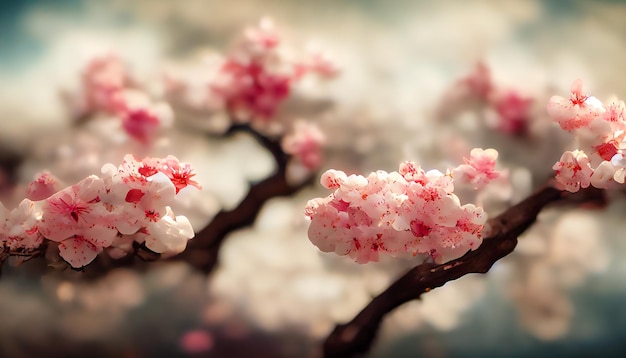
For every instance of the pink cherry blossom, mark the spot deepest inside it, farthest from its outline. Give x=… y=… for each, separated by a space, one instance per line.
x=18 y=227
x=305 y=144
x=616 y=113
x=180 y=174
x=77 y=219
x=513 y=111
x=577 y=111
x=103 y=78
x=479 y=169
x=137 y=203
x=169 y=235
x=332 y=179
x=573 y=171
x=141 y=117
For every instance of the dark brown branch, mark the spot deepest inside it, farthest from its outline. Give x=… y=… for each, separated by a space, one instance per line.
x=202 y=251
x=355 y=337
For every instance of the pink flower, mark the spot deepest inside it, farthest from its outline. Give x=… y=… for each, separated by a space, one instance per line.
x=77 y=219
x=140 y=191
x=136 y=203
x=573 y=171
x=141 y=117
x=616 y=113
x=479 y=169
x=18 y=227
x=252 y=90
x=169 y=235
x=103 y=78
x=513 y=111
x=576 y=112
x=179 y=173
x=305 y=144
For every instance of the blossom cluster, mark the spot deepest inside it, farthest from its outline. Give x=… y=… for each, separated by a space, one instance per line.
x=129 y=203
x=508 y=110
x=406 y=212
x=109 y=89
x=257 y=75
x=600 y=131
x=253 y=79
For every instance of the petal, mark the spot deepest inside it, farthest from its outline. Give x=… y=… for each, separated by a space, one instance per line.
x=100 y=236
x=78 y=252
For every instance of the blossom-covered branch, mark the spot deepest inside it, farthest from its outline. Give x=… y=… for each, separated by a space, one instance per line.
x=356 y=336
x=128 y=204
x=600 y=129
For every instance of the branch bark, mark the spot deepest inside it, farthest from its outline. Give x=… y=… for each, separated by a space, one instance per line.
x=355 y=337
x=202 y=251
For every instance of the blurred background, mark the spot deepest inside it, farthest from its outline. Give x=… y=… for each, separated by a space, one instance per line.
x=274 y=294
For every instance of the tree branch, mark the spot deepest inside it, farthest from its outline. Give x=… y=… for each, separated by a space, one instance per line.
x=203 y=249
x=355 y=337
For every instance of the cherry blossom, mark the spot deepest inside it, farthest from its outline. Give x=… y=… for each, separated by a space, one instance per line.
x=304 y=143
x=180 y=174
x=102 y=79
x=600 y=133
x=18 y=227
x=577 y=111
x=479 y=169
x=141 y=117
x=77 y=219
x=512 y=110
x=142 y=190
x=573 y=171
x=168 y=235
